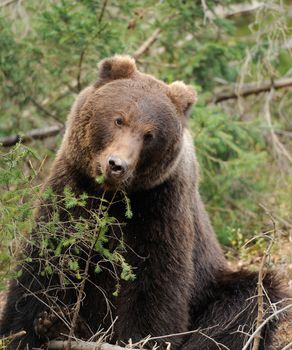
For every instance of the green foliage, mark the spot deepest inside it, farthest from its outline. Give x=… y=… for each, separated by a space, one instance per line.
x=15 y=205
x=229 y=164
x=58 y=244
x=129 y=213
x=72 y=201
x=68 y=247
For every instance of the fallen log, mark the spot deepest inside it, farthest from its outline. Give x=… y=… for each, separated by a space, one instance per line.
x=251 y=89
x=35 y=134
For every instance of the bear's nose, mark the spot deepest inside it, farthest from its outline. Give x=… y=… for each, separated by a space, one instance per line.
x=117 y=166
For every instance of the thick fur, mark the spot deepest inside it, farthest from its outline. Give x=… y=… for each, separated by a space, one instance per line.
x=182 y=282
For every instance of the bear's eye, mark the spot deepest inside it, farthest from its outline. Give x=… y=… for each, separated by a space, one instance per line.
x=119 y=121
x=149 y=136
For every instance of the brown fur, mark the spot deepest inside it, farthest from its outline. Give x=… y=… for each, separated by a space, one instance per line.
x=182 y=281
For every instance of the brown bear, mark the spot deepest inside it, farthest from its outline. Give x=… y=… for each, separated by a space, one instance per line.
x=131 y=129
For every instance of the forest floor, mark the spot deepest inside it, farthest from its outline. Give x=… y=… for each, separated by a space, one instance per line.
x=280 y=261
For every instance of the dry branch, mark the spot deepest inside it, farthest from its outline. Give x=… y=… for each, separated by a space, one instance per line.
x=231 y=10
x=288 y=346
x=279 y=148
x=236 y=9
x=251 y=89
x=267 y=320
x=82 y=345
x=102 y=11
x=35 y=134
x=14 y=336
x=260 y=316
x=147 y=43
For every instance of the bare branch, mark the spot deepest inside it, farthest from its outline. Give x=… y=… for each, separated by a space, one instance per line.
x=14 y=336
x=82 y=345
x=236 y=9
x=35 y=134
x=102 y=11
x=278 y=147
x=41 y=108
x=288 y=346
x=147 y=43
x=79 y=86
x=260 y=316
x=79 y=298
x=8 y=2
x=251 y=89
x=267 y=320
x=229 y=11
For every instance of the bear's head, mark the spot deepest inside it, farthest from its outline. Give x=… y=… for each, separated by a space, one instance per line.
x=128 y=126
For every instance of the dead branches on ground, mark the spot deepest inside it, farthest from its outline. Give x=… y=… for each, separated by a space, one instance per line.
x=83 y=345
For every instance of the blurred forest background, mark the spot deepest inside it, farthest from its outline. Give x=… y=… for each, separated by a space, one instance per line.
x=236 y=54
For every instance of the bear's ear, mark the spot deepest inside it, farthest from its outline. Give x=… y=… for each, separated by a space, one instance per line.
x=183 y=96
x=117 y=67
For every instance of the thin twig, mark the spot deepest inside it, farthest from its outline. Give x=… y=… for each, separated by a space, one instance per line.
x=260 y=316
x=14 y=336
x=288 y=346
x=102 y=11
x=41 y=108
x=149 y=338
x=79 y=70
x=267 y=320
x=79 y=298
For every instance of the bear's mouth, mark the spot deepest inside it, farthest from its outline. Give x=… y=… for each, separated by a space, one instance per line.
x=116 y=181
x=114 y=175
x=113 y=179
